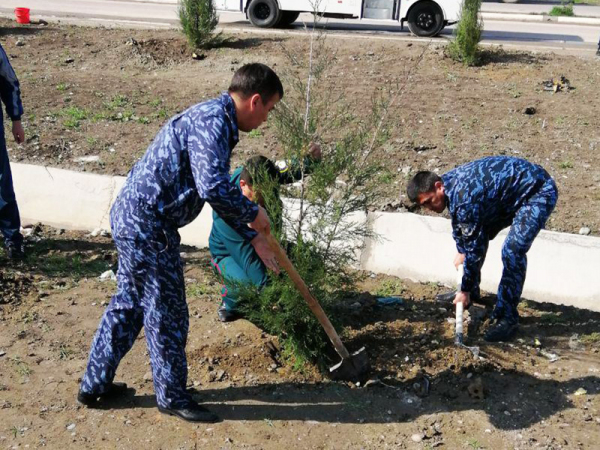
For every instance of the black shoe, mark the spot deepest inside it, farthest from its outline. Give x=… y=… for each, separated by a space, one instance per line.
x=448 y=298
x=226 y=315
x=502 y=331
x=115 y=390
x=193 y=413
x=15 y=252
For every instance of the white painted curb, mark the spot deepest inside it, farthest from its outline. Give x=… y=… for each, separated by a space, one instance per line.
x=563 y=268
x=540 y=18
x=514 y=17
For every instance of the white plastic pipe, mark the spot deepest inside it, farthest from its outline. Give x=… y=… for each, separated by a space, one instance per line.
x=459 y=307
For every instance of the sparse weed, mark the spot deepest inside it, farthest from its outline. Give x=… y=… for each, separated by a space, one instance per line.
x=474 y=444
x=551 y=318
x=255 y=133
x=389 y=288
x=29 y=316
x=592 y=338
x=64 y=352
x=118 y=101
x=195 y=290
x=21 y=367
x=566 y=165
x=74 y=116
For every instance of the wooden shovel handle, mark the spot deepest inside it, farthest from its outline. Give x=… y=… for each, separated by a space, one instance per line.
x=312 y=302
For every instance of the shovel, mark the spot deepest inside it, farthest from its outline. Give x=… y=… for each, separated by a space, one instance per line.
x=353 y=367
x=458 y=335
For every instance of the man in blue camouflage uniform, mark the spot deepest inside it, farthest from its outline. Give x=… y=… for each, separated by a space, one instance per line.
x=483 y=197
x=186 y=165
x=233 y=257
x=10 y=222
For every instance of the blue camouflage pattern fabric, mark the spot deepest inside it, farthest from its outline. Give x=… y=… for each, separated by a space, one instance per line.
x=485 y=196
x=10 y=93
x=186 y=165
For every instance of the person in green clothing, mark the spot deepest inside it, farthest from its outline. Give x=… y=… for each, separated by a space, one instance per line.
x=234 y=258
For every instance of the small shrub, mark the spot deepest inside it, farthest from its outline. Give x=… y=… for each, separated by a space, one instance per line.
x=592 y=338
x=199 y=20
x=563 y=10
x=323 y=232
x=465 y=46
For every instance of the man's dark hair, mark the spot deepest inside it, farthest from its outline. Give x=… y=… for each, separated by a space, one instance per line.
x=259 y=167
x=421 y=183
x=258 y=79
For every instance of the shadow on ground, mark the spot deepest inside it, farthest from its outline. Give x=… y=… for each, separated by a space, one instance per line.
x=514 y=400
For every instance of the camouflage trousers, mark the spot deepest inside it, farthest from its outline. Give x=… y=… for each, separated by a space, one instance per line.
x=150 y=294
x=526 y=225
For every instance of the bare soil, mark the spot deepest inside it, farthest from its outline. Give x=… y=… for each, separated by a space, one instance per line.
x=422 y=387
x=92 y=92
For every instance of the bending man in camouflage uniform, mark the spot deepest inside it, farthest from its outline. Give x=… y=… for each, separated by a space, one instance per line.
x=186 y=166
x=483 y=197
x=10 y=222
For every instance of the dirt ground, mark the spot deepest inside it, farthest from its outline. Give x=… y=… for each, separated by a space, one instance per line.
x=95 y=98
x=541 y=391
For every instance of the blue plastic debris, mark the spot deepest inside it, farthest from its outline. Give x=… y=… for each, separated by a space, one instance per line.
x=389 y=301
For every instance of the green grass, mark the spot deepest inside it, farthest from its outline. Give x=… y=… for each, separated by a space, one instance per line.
x=563 y=10
x=551 y=319
x=74 y=116
x=29 y=317
x=592 y=338
x=64 y=264
x=566 y=165
x=390 y=288
x=61 y=87
x=21 y=367
x=118 y=101
x=386 y=177
x=474 y=443
x=64 y=352
x=255 y=133
x=195 y=290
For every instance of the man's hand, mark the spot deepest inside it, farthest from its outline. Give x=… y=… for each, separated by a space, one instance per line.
x=462 y=297
x=314 y=151
x=264 y=252
x=458 y=260
x=261 y=223
x=18 y=132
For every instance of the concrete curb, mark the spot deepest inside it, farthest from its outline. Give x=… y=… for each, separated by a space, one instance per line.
x=563 y=268
x=540 y=18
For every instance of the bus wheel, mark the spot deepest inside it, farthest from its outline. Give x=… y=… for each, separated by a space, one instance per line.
x=264 y=13
x=425 y=19
x=288 y=18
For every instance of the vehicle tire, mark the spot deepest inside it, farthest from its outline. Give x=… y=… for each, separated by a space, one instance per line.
x=425 y=19
x=264 y=13
x=288 y=18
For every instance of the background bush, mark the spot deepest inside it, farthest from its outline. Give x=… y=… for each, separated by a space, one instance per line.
x=465 y=46
x=199 y=20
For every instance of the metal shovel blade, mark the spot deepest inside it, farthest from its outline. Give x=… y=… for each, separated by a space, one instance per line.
x=355 y=368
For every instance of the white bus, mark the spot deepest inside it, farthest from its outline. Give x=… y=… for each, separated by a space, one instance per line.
x=424 y=17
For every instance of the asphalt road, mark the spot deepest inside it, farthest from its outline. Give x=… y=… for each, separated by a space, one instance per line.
x=572 y=38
